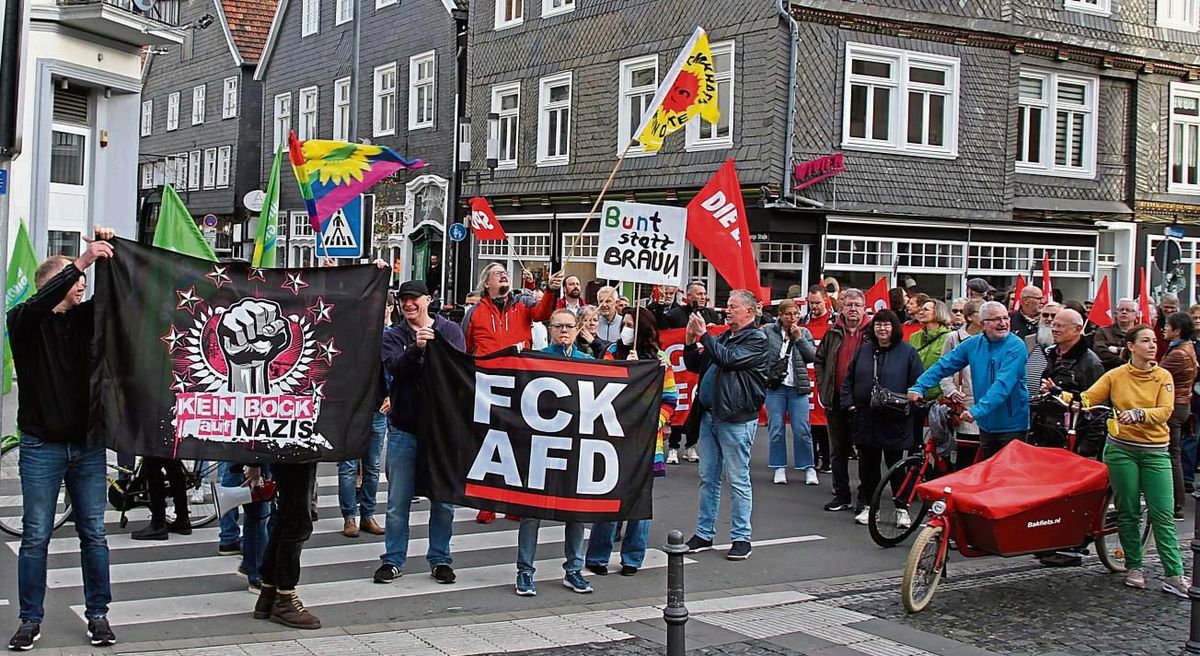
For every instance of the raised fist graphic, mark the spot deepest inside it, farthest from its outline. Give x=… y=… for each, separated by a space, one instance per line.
x=251 y=333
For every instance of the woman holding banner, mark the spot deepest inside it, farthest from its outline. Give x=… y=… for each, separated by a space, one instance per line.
x=639 y=341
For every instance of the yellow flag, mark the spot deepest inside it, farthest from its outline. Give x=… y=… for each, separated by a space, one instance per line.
x=688 y=90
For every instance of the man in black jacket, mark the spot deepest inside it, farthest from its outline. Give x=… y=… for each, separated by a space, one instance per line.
x=1073 y=367
x=730 y=394
x=50 y=335
x=696 y=301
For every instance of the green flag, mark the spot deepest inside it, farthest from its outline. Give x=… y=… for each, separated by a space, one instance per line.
x=21 y=286
x=265 y=253
x=177 y=231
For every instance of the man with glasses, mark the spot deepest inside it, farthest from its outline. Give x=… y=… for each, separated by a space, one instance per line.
x=997 y=360
x=1036 y=345
x=1109 y=343
x=837 y=348
x=1024 y=321
x=731 y=391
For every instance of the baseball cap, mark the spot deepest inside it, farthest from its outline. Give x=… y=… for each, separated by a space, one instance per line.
x=979 y=285
x=413 y=288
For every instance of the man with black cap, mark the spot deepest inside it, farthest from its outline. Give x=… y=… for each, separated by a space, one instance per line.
x=979 y=288
x=403 y=356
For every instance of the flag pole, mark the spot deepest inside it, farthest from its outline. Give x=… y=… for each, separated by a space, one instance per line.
x=637 y=315
x=603 y=190
x=512 y=254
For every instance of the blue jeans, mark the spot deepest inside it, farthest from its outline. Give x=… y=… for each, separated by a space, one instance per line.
x=231 y=533
x=781 y=401
x=44 y=466
x=527 y=545
x=633 y=544
x=348 y=471
x=254 y=533
x=725 y=448
x=402 y=474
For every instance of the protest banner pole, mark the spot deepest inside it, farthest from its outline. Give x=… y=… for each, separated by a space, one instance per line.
x=512 y=253
x=599 y=199
x=637 y=315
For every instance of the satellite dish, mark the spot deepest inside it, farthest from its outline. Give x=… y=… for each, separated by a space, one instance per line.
x=144 y=5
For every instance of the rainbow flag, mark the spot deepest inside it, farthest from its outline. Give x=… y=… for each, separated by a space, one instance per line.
x=333 y=173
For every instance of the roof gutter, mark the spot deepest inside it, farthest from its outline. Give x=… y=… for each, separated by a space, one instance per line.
x=783 y=7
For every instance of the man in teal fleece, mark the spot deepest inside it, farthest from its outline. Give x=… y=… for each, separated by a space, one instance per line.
x=997 y=360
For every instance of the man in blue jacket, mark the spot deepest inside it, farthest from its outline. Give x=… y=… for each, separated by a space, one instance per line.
x=997 y=360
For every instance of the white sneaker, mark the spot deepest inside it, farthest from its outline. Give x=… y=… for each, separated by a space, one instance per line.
x=1177 y=585
x=810 y=477
x=863 y=516
x=902 y=518
x=196 y=495
x=780 y=476
x=690 y=455
x=673 y=457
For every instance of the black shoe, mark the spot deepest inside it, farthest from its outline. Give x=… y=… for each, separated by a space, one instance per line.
x=181 y=526
x=443 y=573
x=628 y=570
x=387 y=573
x=1060 y=560
x=1179 y=515
x=314 y=515
x=26 y=635
x=696 y=544
x=234 y=549
x=837 y=505
x=100 y=633
x=598 y=570
x=739 y=551
x=155 y=530
x=1188 y=488
x=858 y=508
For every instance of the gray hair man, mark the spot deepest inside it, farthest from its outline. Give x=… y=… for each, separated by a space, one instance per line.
x=832 y=362
x=1109 y=343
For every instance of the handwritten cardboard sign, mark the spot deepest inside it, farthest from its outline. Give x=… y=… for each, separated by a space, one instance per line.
x=642 y=243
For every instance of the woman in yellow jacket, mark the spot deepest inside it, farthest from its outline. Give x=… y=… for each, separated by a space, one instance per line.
x=1143 y=396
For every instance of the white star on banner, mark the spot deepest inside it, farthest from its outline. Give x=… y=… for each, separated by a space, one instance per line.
x=321 y=311
x=172 y=339
x=188 y=300
x=294 y=283
x=180 y=382
x=257 y=273
x=327 y=351
x=218 y=276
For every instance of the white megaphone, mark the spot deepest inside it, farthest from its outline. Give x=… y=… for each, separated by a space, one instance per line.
x=229 y=498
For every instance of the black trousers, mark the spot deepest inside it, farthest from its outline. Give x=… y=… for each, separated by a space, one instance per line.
x=157 y=486
x=820 y=437
x=869 y=473
x=292 y=526
x=837 y=421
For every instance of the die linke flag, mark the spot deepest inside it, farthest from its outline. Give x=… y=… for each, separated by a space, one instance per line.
x=1101 y=314
x=214 y=361
x=1047 y=286
x=540 y=436
x=717 y=226
x=877 y=296
x=484 y=223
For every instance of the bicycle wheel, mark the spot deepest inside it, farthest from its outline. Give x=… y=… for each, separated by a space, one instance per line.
x=1108 y=547
x=887 y=525
x=202 y=506
x=10 y=493
x=922 y=571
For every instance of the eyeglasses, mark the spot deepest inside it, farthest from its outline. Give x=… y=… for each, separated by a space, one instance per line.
x=793 y=313
x=562 y=326
x=1129 y=310
x=499 y=274
x=1048 y=315
x=852 y=304
x=997 y=319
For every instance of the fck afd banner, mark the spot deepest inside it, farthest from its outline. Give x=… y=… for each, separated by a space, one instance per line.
x=213 y=361
x=541 y=436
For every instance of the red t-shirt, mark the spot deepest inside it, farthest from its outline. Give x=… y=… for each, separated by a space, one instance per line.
x=851 y=342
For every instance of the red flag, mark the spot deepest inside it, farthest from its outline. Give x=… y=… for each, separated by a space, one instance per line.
x=877 y=296
x=484 y=223
x=1047 y=290
x=717 y=227
x=1143 y=296
x=1101 y=314
x=1017 y=289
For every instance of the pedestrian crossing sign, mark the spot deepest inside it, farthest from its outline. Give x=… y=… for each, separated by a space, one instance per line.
x=345 y=233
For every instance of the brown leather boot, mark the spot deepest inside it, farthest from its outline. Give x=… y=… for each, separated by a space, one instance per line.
x=371 y=526
x=266 y=599
x=350 y=530
x=289 y=611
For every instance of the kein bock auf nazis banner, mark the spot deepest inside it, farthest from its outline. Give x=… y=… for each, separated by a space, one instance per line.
x=541 y=436
x=216 y=361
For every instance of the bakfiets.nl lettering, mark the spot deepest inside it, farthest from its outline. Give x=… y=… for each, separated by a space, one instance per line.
x=594 y=410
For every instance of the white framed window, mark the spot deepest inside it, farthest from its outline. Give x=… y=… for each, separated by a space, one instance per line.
x=900 y=101
x=147 y=175
x=198 y=94
x=173 y=111
x=509 y=13
x=283 y=119
x=554 y=120
x=210 y=168
x=301 y=227
x=310 y=19
x=147 y=117
x=194 y=170
x=168 y=165
x=345 y=12
x=380 y=4
x=1184 y=161
x=229 y=97
x=1179 y=14
x=556 y=7
x=422 y=70
x=384 y=121
x=306 y=126
x=341 y=109
x=1056 y=124
x=506 y=102
x=224 y=164
x=181 y=171
x=1099 y=7
x=702 y=135
x=638 y=82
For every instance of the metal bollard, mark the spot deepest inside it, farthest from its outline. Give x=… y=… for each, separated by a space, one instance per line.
x=675 y=614
x=1193 y=641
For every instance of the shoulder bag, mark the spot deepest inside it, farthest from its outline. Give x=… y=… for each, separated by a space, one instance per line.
x=883 y=398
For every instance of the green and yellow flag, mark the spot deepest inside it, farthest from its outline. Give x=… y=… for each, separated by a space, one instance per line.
x=21 y=287
x=177 y=230
x=265 y=253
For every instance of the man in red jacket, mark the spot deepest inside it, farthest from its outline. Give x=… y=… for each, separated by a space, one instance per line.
x=502 y=319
